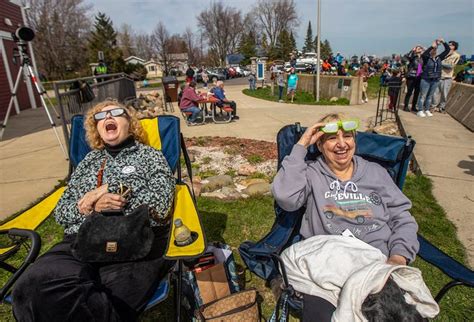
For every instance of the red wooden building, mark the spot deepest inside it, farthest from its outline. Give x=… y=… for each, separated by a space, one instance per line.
x=12 y=17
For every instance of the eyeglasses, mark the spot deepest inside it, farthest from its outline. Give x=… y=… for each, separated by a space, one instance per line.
x=114 y=112
x=347 y=126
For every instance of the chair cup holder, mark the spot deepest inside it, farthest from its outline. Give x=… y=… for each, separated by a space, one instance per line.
x=194 y=237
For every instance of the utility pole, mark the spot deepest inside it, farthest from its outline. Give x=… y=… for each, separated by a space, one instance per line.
x=318 y=62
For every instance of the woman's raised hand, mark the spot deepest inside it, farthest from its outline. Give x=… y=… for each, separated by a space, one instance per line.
x=311 y=135
x=86 y=203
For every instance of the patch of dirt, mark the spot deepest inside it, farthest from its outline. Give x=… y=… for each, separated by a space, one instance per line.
x=247 y=148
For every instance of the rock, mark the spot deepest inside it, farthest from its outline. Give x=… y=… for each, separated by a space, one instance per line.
x=389 y=128
x=333 y=99
x=197 y=187
x=217 y=182
x=214 y=194
x=192 y=156
x=230 y=193
x=246 y=170
x=257 y=189
x=248 y=182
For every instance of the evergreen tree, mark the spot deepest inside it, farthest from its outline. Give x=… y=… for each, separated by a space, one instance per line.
x=104 y=38
x=247 y=47
x=283 y=45
x=308 y=42
x=293 y=42
x=326 y=50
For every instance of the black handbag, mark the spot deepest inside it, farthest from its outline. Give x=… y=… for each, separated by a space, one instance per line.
x=114 y=237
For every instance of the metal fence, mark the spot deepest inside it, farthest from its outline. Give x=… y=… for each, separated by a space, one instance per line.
x=388 y=102
x=115 y=86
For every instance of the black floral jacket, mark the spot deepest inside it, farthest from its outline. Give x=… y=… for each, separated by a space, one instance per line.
x=139 y=167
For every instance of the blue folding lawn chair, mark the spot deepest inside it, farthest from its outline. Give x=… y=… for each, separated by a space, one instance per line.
x=164 y=134
x=394 y=154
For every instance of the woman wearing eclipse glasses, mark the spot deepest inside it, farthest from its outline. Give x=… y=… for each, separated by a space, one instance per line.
x=121 y=173
x=344 y=194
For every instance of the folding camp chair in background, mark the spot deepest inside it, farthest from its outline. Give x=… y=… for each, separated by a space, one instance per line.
x=394 y=154
x=163 y=134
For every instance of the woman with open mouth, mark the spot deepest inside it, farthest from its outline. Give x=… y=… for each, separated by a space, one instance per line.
x=120 y=175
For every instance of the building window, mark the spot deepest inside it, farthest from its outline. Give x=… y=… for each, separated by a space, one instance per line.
x=151 y=68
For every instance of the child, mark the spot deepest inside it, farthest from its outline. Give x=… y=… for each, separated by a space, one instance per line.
x=394 y=83
x=292 y=84
x=281 y=85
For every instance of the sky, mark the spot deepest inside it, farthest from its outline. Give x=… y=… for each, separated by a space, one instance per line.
x=379 y=27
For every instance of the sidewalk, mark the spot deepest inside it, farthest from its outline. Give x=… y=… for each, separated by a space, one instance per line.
x=445 y=153
x=31 y=162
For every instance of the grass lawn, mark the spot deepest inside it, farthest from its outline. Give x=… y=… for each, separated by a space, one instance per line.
x=233 y=222
x=301 y=97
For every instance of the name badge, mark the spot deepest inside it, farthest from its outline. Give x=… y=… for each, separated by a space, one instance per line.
x=128 y=169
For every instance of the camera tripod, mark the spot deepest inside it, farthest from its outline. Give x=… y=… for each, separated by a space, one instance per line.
x=28 y=70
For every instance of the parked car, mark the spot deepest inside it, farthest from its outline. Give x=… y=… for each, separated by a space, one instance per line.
x=222 y=71
x=216 y=74
x=244 y=72
x=175 y=72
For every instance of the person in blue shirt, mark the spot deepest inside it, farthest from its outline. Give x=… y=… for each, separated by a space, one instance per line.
x=292 y=84
x=220 y=94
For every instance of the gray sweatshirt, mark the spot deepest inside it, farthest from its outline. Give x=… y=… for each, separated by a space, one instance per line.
x=369 y=205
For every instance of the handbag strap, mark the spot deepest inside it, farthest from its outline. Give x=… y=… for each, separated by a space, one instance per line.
x=282 y=304
x=100 y=173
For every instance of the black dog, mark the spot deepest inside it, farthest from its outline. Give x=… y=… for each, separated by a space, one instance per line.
x=389 y=305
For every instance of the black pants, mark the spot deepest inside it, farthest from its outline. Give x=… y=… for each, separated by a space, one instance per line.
x=58 y=287
x=413 y=87
x=316 y=309
x=232 y=105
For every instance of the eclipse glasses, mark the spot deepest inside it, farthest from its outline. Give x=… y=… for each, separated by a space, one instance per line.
x=345 y=125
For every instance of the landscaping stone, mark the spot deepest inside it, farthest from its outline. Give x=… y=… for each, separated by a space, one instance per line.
x=246 y=170
x=216 y=182
x=333 y=99
x=230 y=193
x=248 y=182
x=257 y=189
x=214 y=194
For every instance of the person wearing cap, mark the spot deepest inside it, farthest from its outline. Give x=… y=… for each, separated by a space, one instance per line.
x=447 y=71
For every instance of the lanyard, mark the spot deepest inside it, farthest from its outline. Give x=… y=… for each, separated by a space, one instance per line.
x=100 y=174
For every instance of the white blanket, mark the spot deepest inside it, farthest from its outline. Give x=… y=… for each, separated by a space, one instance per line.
x=344 y=270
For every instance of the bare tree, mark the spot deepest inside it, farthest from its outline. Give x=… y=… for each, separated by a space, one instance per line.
x=61 y=27
x=161 y=43
x=193 y=51
x=126 y=40
x=273 y=16
x=222 y=27
x=143 y=46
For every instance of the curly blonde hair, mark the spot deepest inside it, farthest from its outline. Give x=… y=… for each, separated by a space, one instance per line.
x=92 y=135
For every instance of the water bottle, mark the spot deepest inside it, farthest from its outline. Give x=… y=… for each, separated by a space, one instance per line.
x=182 y=234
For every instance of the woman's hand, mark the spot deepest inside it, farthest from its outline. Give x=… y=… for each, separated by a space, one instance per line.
x=109 y=201
x=311 y=135
x=86 y=203
x=397 y=260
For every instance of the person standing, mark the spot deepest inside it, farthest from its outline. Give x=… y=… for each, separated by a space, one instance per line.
x=100 y=69
x=204 y=76
x=341 y=69
x=430 y=76
x=447 y=71
x=363 y=73
x=292 y=84
x=189 y=74
x=281 y=85
x=413 y=77
x=252 y=81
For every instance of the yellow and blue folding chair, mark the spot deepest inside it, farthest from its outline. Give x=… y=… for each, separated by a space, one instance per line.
x=163 y=134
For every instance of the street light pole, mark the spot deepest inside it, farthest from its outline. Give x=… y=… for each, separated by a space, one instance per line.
x=318 y=45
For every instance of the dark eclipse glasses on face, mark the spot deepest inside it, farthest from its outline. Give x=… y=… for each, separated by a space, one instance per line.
x=345 y=125
x=113 y=112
